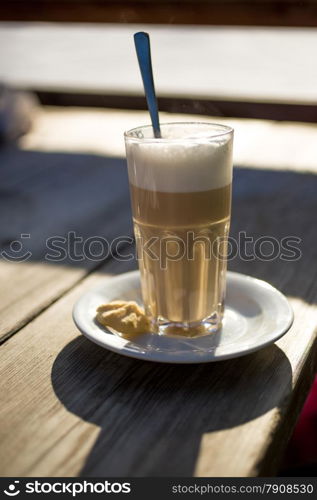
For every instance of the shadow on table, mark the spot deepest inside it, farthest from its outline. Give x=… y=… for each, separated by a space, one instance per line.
x=152 y=417
x=69 y=204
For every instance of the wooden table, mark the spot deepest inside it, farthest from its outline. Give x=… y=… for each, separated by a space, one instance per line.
x=70 y=407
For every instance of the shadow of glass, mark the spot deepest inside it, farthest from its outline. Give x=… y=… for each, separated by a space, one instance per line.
x=152 y=416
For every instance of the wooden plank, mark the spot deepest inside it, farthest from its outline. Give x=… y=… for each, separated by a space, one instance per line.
x=54 y=194
x=213 y=12
x=73 y=408
x=219 y=69
x=215 y=107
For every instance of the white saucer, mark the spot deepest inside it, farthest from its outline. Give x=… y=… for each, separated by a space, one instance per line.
x=256 y=315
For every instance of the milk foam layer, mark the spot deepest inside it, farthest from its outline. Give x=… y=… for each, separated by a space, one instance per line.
x=187 y=166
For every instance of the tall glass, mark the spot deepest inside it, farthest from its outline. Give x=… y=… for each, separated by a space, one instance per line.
x=180 y=189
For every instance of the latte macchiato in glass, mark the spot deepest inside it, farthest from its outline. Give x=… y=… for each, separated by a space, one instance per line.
x=180 y=189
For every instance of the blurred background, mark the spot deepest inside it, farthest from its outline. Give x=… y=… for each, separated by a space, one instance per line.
x=69 y=83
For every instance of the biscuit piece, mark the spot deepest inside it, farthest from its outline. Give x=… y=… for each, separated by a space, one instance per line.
x=126 y=318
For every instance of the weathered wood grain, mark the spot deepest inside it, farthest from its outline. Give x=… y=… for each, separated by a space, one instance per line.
x=71 y=407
